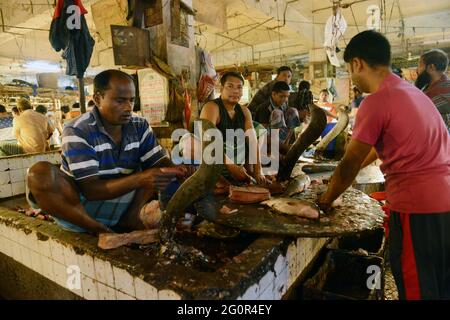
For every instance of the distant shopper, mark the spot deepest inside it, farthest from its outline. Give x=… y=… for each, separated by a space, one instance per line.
x=433 y=81
x=284 y=73
x=31 y=129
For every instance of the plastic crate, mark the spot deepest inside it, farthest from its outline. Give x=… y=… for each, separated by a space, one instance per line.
x=346 y=276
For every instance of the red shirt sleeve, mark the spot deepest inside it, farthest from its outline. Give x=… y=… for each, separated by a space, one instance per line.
x=369 y=121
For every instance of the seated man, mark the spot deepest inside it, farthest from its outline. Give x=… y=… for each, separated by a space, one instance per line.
x=31 y=129
x=227 y=114
x=284 y=73
x=109 y=164
x=275 y=114
x=327 y=106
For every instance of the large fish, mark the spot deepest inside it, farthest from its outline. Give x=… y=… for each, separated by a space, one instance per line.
x=293 y=207
x=337 y=129
x=312 y=132
x=197 y=185
x=297 y=185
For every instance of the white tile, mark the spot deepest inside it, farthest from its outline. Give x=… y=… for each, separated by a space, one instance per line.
x=60 y=274
x=280 y=264
x=3 y=230
x=32 y=241
x=15 y=163
x=123 y=296
x=168 y=295
x=291 y=256
x=57 y=250
x=267 y=281
x=90 y=291
x=7 y=246
x=104 y=272
x=2 y=244
x=252 y=293
x=18 y=188
x=21 y=237
x=29 y=161
x=44 y=248
x=36 y=263
x=16 y=252
x=124 y=281
x=47 y=268
x=4 y=177
x=105 y=292
x=86 y=263
x=16 y=175
x=70 y=257
x=281 y=284
x=40 y=157
x=4 y=165
x=267 y=294
x=5 y=191
x=144 y=290
x=26 y=257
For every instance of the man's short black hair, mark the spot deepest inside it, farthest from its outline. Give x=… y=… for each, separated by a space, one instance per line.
x=2 y=108
x=355 y=90
x=437 y=57
x=283 y=68
x=325 y=90
x=102 y=80
x=370 y=46
x=15 y=110
x=91 y=103
x=76 y=105
x=228 y=74
x=41 y=109
x=304 y=85
x=280 y=86
x=65 y=109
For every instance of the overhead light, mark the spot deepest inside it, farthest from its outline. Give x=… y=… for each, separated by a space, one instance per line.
x=42 y=66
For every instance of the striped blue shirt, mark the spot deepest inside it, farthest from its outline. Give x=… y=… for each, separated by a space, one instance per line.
x=88 y=150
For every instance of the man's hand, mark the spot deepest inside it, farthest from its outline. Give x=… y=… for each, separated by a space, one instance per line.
x=323 y=203
x=260 y=179
x=239 y=173
x=159 y=178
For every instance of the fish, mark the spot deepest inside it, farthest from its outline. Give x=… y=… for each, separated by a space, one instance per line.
x=248 y=194
x=150 y=214
x=340 y=126
x=311 y=134
x=293 y=207
x=108 y=241
x=297 y=185
x=200 y=183
x=318 y=168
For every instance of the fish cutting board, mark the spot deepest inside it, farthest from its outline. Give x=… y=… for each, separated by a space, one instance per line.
x=357 y=213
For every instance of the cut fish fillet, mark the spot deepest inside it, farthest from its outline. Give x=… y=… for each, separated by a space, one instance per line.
x=150 y=214
x=115 y=240
x=248 y=194
x=293 y=207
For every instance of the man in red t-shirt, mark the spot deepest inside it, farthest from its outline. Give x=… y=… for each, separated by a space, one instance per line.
x=400 y=125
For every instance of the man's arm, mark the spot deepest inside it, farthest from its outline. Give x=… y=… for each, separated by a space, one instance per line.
x=253 y=141
x=345 y=173
x=371 y=157
x=95 y=188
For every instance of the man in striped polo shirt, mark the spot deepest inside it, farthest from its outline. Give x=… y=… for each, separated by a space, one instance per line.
x=112 y=164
